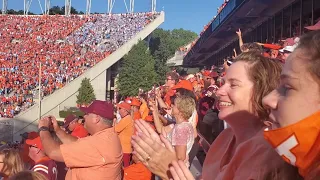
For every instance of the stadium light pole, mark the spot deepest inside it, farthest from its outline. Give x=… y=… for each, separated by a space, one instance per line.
x=47 y=7
x=110 y=5
x=153 y=5
x=40 y=76
x=4 y=6
x=67 y=7
x=88 y=9
x=131 y=6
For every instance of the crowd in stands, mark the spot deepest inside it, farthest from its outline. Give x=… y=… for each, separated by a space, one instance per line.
x=66 y=46
x=256 y=117
x=260 y=97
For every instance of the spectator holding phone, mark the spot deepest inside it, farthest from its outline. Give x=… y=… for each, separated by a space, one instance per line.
x=91 y=157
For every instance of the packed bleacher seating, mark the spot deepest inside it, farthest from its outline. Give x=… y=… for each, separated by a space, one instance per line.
x=65 y=46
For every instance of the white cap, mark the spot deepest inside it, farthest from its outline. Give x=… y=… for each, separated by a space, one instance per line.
x=291 y=48
x=190 y=76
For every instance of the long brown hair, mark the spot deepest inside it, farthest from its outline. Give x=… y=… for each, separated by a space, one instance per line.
x=309 y=48
x=265 y=74
x=12 y=162
x=28 y=175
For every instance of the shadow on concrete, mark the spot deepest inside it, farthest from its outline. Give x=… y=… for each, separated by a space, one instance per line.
x=12 y=129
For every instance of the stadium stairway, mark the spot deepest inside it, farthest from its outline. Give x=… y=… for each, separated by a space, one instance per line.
x=66 y=97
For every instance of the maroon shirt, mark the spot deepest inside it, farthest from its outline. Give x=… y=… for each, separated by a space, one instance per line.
x=47 y=167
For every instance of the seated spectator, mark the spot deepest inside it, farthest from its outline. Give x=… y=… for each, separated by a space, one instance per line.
x=10 y=163
x=43 y=164
x=91 y=157
x=28 y=175
x=136 y=171
x=125 y=130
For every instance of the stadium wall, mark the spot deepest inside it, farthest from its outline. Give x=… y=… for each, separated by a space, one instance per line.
x=51 y=105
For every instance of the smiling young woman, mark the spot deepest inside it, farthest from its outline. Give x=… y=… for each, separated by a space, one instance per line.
x=240 y=151
x=295 y=106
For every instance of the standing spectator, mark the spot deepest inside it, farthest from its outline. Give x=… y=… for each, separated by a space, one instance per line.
x=125 y=130
x=91 y=157
x=75 y=128
x=135 y=105
x=172 y=79
x=43 y=164
x=144 y=110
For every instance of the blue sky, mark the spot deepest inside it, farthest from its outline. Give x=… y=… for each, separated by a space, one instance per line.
x=186 y=14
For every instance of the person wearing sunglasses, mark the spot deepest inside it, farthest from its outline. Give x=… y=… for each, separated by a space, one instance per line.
x=43 y=164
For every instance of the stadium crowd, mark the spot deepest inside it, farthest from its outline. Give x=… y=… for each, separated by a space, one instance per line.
x=65 y=46
x=267 y=96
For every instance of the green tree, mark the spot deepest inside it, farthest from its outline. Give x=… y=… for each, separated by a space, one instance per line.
x=55 y=10
x=136 y=71
x=86 y=93
x=163 y=44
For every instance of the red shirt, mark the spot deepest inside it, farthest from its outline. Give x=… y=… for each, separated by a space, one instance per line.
x=79 y=131
x=47 y=167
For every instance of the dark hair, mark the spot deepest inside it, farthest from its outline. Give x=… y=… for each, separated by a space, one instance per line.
x=144 y=96
x=173 y=75
x=265 y=74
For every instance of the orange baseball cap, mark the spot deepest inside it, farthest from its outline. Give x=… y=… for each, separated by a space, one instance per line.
x=36 y=142
x=135 y=102
x=183 y=84
x=124 y=105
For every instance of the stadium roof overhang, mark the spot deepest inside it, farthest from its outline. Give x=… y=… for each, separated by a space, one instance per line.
x=243 y=14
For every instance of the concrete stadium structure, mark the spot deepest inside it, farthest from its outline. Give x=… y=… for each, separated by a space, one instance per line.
x=100 y=76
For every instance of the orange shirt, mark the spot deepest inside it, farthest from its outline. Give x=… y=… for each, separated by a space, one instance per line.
x=136 y=115
x=125 y=130
x=79 y=131
x=92 y=157
x=136 y=171
x=252 y=159
x=144 y=110
x=168 y=95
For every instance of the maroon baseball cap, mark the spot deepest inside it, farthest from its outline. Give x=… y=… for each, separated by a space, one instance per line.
x=69 y=119
x=101 y=108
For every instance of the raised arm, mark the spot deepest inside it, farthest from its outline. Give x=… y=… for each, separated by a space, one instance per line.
x=239 y=33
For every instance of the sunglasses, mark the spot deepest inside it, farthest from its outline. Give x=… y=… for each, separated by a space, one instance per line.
x=33 y=146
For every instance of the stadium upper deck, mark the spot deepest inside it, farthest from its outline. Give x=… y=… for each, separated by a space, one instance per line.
x=260 y=21
x=66 y=46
